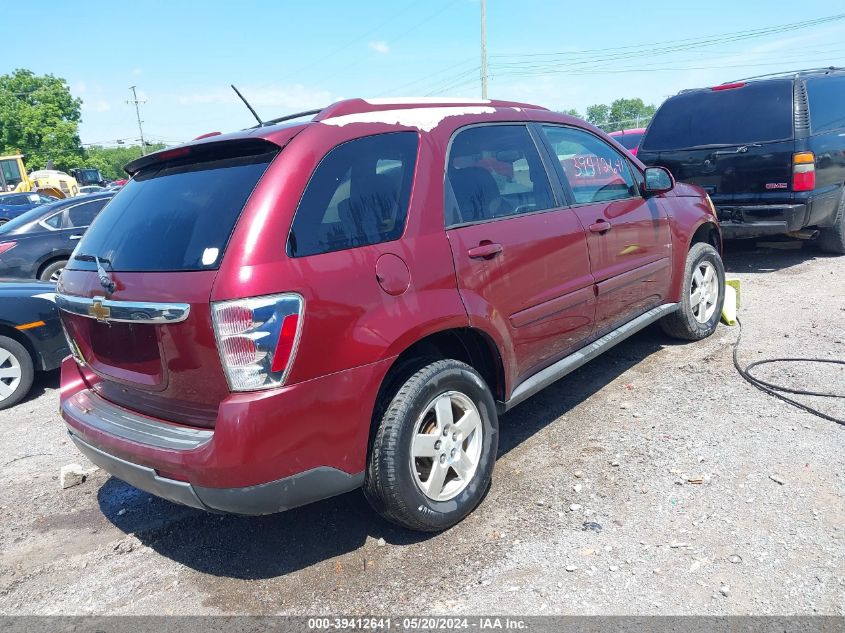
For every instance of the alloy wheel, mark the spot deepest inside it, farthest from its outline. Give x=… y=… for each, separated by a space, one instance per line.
x=704 y=291
x=446 y=447
x=10 y=373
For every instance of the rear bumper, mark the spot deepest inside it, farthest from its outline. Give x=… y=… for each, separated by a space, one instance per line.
x=747 y=221
x=268 y=451
x=275 y=496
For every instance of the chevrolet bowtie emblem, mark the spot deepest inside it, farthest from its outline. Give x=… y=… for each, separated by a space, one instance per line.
x=99 y=311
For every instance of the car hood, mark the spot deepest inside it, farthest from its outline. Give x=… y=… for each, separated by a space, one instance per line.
x=11 y=288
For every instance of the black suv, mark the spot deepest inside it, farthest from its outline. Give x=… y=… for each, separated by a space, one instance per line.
x=769 y=150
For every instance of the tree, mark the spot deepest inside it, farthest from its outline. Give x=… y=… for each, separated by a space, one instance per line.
x=111 y=160
x=628 y=113
x=40 y=118
x=597 y=114
x=621 y=114
x=572 y=112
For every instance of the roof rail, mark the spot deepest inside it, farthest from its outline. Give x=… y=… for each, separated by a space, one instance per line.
x=824 y=69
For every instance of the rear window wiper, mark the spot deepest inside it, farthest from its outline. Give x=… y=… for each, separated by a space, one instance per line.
x=85 y=257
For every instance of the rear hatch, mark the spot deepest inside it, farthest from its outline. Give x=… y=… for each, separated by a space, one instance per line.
x=735 y=141
x=151 y=341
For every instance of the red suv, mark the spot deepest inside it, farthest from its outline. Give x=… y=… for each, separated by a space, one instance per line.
x=271 y=317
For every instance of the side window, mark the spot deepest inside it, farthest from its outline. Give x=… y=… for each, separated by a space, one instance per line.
x=55 y=220
x=495 y=171
x=595 y=171
x=358 y=195
x=83 y=214
x=827 y=103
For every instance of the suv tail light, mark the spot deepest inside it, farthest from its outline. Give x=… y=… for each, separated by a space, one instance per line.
x=803 y=171
x=257 y=339
x=7 y=246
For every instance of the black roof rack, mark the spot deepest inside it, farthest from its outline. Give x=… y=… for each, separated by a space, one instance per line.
x=786 y=73
x=295 y=115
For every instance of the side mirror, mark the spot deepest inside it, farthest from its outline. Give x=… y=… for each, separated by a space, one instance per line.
x=657 y=180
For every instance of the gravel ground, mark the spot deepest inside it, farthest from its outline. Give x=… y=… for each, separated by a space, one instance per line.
x=654 y=481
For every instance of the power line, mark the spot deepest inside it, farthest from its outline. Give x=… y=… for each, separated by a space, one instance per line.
x=745 y=34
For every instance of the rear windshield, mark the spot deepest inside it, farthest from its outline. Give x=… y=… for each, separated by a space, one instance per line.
x=173 y=217
x=629 y=141
x=758 y=112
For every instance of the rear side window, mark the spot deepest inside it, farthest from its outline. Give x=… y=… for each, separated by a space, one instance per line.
x=357 y=195
x=757 y=112
x=83 y=214
x=827 y=103
x=629 y=141
x=495 y=171
x=594 y=170
x=175 y=216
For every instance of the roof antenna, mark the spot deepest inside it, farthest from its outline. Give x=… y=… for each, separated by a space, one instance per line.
x=246 y=103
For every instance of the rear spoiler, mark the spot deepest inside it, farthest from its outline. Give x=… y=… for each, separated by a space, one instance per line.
x=199 y=152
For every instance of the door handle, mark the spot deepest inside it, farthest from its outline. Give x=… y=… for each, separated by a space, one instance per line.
x=485 y=250
x=76 y=237
x=601 y=227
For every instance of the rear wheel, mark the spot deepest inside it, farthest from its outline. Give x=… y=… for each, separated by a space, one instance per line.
x=16 y=372
x=700 y=307
x=432 y=456
x=53 y=271
x=832 y=240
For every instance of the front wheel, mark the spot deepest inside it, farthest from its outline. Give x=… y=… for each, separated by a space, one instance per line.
x=700 y=307
x=432 y=456
x=16 y=372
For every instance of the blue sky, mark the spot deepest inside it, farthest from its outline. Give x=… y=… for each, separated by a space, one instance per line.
x=287 y=56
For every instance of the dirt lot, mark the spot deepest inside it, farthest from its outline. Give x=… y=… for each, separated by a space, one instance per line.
x=595 y=506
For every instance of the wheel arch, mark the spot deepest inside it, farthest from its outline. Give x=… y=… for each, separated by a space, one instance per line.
x=52 y=258
x=708 y=233
x=16 y=335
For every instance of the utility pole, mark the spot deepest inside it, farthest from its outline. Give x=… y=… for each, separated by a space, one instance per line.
x=483 y=50
x=138 y=114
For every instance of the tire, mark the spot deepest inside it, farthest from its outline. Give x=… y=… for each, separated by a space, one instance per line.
x=53 y=269
x=16 y=372
x=832 y=240
x=692 y=321
x=401 y=466
x=3 y=221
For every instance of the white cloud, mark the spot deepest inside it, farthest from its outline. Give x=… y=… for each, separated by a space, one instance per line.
x=79 y=87
x=137 y=72
x=96 y=105
x=380 y=47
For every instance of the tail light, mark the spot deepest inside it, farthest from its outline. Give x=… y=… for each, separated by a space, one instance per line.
x=803 y=171
x=5 y=247
x=257 y=339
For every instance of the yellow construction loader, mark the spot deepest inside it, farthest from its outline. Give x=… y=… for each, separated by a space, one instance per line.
x=13 y=177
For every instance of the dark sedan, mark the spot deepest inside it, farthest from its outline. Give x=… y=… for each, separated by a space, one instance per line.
x=31 y=337
x=37 y=244
x=13 y=204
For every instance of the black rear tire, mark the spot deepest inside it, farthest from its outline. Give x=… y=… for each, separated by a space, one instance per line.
x=832 y=239
x=683 y=324
x=391 y=482
x=14 y=358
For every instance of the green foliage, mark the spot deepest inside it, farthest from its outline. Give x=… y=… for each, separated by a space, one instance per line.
x=110 y=160
x=572 y=112
x=40 y=118
x=597 y=114
x=620 y=115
